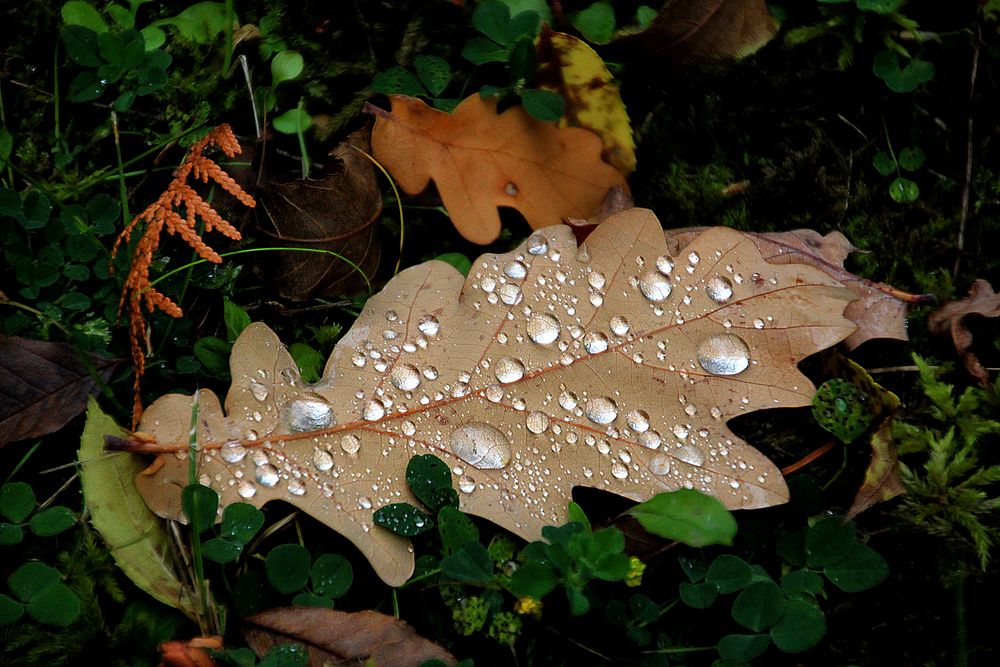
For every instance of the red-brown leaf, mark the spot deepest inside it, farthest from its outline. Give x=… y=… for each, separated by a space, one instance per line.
x=950 y=319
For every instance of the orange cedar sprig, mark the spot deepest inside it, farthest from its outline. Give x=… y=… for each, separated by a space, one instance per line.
x=164 y=213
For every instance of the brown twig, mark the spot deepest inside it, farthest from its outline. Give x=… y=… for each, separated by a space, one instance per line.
x=966 y=188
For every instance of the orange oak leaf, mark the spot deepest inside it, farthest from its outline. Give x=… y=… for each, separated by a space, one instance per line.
x=480 y=160
x=949 y=319
x=612 y=365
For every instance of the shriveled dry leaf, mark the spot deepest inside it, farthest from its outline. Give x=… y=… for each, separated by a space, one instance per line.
x=882 y=478
x=702 y=30
x=480 y=160
x=613 y=366
x=336 y=213
x=879 y=312
x=949 y=319
x=44 y=385
x=569 y=67
x=342 y=638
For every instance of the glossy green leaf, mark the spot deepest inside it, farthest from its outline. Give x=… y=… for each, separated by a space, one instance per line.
x=55 y=604
x=533 y=579
x=471 y=564
x=743 y=647
x=759 y=606
x=10 y=534
x=479 y=51
x=729 y=573
x=36 y=207
x=17 y=500
x=309 y=361
x=11 y=610
x=213 y=353
x=222 y=550
x=912 y=158
x=456 y=529
x=80 y=13
x=543 y=104
x=331 y=575
x=901 y=79
x=52 y=521
x=861 y=569
x=285 y=66
x=427 y=476
x=883 y=163
x=800 y=627
x=687 y=516
x=200 y=505
x=576 y=513
x=241 y=521
x=828 y=541
x=30 y=578
x=802 y=581
x=596 y=22
x=456 y=259
x=81 y=45
x=492 y=18
x=287 y=567
x=292 y=121
x=434 y=73
x=699 y=596
x=904 y=191
x=403 y=519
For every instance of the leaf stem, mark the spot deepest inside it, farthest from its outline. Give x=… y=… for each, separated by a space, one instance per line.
x=399 y=205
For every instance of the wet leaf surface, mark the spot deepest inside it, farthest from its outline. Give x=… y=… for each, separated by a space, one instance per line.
x=614 y=365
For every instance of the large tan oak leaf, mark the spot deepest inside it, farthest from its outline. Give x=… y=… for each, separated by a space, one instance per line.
x=480 y=160
x=612 y=365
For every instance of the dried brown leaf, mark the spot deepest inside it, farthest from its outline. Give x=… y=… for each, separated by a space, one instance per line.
x=949 y=319
x=702 y=30
x=882 y=478
x=44 y=386
x=480 y=160
x=337 y=638
x=880 y=310
x=336 y=213
x=550 y=367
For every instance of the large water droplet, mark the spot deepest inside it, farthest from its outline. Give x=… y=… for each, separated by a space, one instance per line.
x=233 y=452
x=601 y=410
x=431 y=373
x=694 y=257
x=267 y=475
x=619 y=325
x=258 y=390
x=596 y=279
x=481 y=445
x=650 y=439
x=510 y=294
x=408 y=428
x=374 y=410
x=567 y=400
x=350 y=443
x=681 y=431
x=719 y=289
x=429 y=325
x=509 y=370
x=405 y=377
x=543 y=328
x=659 y=464
x=296 y=487
x=537 y=421
x=537 y=245
x=246 y=489
x=724 y=354
x=494 y=393
x=689 y=454
x=654 y=286
x=308 y=414
x=618 y=470
x=465 y=483
x=516 y=269
x=595 y=342
x=322 y=460
x=665 y=264
x=637 y=420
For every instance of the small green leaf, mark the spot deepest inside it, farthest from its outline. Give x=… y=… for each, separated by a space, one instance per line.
x=843 y=409
x=644 y=16
x=10 y=204
x=883 y=163
x=52 y=521
x=241 y=521
x=791 y=546
x=200 y=505
x=81 y=45
x=312 y=600
x=30 y=578
x=213 y=353
x=699 y=596
x=236 y=319
x=292 y=121
x=578 y=602
x=688 y=516
x=434 y=73
x=56 y=604
x=403 y=519
x=10 y=534
x=879 y=6
x=525 y=23
x=398 y=81
x=36 y=208
x=479 y=51
x=576 y=513
x=800 y=627
x=426 y=475
x=285 y=66
x=860 y=570
x=17 y=500
x=695 y=567
x=492 y=18
x=912 y=158
x=472 y=564
x=828 y=541
x=759 y=606
x=79 y=13
x=285 y=655
x=456 y=529
x=802 y=581
x=11 y=610
x=904 y=191
x=456 y=259
x=76 y=272
x=287 y=567
x=543 y=104
x=596 y=22
x=222 y=550
x=743 y=647
x=533 y=579
x=331 y=575
x=75 y=301
x=905 y=79
x=729 y=573
x=521 y=60
x=309 y=361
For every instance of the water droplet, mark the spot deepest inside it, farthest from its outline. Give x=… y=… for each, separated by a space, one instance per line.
x=758 y=323
x=654 y=286
x=510 y=190
x=543 y=328
x=596 y=279
x=510 y=294
x=689 y=454
x=481 y=445
x=350 y=443
x=488 y=284
x=466 y=484
x=618 y=470
x=537 y=245
x=246 y=489
x=374 y=410
x=650 y=439
x=567 y=400
x=431 y=373
x=681 y=431
x=296 y=487
x=494 y=393
x=405 y=377
x=619 y=325
x=724 y=354
x=596 y=299
x=716 y=413
x=365 y=503
x=659 y=465
x=665 y=264
x=429 y=325
x=601 y=410
x=693 y=257
x=322 y=460
x=516 y=269
x=267 y=475
x=232 y=452
x=509 y=370
x=719 y=289
x=537 y=421
x=637 y=420
x=358 y=360
x=595 y=342
x=258 y=390
x=408 y=428
x=308 y=414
